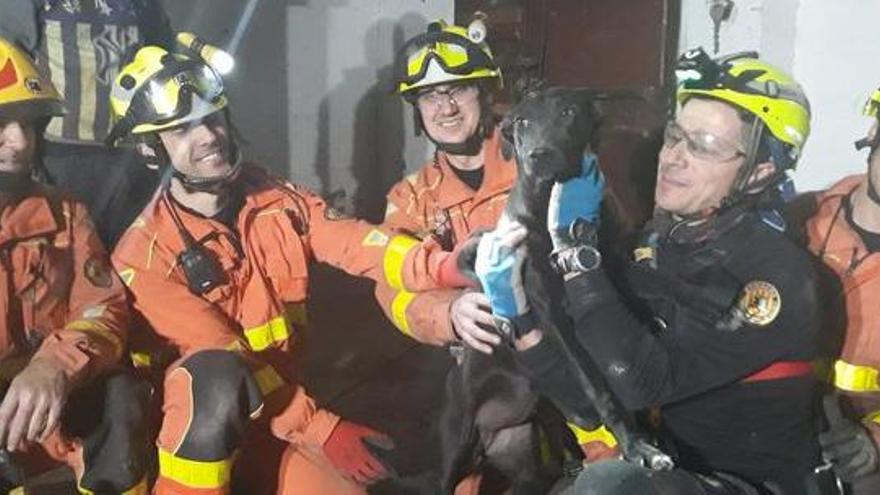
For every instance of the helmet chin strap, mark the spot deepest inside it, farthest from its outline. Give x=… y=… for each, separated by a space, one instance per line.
x=469 y=147
x=212 y=184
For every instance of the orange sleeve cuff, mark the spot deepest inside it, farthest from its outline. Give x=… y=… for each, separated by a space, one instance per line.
x=302 y=423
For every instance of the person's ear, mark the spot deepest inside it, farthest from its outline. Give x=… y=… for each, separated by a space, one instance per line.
x=151 y=159
x=762 y=171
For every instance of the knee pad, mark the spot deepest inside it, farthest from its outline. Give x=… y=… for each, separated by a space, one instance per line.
x=223 y=396
x=109 y=416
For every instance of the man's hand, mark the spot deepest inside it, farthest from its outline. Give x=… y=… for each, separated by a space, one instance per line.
x=847 y=445
x=33 y=403
x=579 y=197
x=348 y=449
x=473 y=322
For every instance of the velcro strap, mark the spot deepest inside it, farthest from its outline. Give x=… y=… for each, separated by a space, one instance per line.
x=395 y=255
x=855 y=378
x=195 y=474
x=781 y=369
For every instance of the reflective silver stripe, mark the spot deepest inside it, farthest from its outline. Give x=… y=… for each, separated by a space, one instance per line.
x=87 y=83
x=55 y=50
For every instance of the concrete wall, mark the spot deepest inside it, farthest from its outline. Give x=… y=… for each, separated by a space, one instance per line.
x=310 y=93
x=829 y=46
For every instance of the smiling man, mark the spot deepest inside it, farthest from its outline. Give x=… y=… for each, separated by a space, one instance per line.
x=217 y=264
x=715 y=319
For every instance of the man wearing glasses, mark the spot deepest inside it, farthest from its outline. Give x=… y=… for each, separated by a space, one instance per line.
x=714 y=320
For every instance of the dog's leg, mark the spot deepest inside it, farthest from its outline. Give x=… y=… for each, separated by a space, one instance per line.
x=459 y=436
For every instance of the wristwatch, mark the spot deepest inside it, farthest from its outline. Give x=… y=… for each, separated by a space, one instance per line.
x=578 y=259
x=580 y=255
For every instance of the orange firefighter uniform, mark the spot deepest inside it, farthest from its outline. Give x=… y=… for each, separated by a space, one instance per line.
x=433 y=204
x=61 y=301
x=256 y=312
x=855 y=373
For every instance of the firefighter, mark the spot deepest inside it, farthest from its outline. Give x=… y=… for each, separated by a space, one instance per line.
x=65 y=314
x=845 y=233
x=715 y=319
x=217 y=264
x=449 y=76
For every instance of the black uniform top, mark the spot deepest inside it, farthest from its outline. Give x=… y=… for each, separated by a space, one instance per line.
x=669 y=335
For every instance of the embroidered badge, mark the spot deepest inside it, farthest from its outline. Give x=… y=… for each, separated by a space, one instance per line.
x=376 y=238
x=98 y=272
x=759 y=302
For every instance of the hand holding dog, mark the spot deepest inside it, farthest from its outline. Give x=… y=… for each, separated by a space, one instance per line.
x=579 y=197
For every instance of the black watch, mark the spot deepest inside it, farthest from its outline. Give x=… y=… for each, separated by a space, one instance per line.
x=578 y=259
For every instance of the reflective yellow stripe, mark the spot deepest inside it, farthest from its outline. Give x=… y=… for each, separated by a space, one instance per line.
x=398 y=311
x=268 y=380
x=395 y=254
x=600 y=434
x=19 y=490
x=263 y=336
x=195 y=474
x=141 y=359
x=855 y=378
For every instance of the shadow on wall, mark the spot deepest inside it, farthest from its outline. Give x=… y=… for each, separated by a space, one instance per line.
x=378 y=130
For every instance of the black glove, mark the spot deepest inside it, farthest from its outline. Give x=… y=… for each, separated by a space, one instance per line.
x=847 y=444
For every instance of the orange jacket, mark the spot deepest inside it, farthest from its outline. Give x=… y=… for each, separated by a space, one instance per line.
x=433 y=204
x=281 y=228
x=840 y=247
x=60 y=298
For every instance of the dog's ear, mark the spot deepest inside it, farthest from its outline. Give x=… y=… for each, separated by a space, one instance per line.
x=506 y=129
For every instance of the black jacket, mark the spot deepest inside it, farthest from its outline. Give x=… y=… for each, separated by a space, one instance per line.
x=666 y=332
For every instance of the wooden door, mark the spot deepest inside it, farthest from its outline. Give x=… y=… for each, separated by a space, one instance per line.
x=611 y=45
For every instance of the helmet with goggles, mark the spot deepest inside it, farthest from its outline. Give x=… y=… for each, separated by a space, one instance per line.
x=445 y=53
x=159 y=90
x=773 y=97
x=871 y=109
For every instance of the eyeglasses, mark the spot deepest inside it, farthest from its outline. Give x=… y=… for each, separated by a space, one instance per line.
x=700 y=144
x=456 y=95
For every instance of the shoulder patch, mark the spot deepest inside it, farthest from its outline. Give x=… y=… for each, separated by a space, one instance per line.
x=98 y=272
x=759 y=302
x=127 y=276
x=375 y=238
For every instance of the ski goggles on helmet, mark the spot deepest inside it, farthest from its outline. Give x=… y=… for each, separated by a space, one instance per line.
x=170 y=96
x=696 y=70
x=455 y=54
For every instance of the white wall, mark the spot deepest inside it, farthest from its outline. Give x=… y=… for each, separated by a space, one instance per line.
x=348 y=132
x=829 y=46
x=310 y=92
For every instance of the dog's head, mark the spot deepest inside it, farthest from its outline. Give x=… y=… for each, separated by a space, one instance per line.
x=549 y=130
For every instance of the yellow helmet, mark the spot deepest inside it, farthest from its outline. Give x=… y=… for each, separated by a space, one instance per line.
x=159 y=90
x=445 y=53
x=872 y=105
x=24 y=92
x=753 y=85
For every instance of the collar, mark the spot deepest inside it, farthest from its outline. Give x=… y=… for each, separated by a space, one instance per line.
x=498 y=175
x=28 y=217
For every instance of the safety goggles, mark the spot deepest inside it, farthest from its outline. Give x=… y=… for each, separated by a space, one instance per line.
x=456 y=95
x=456 y=54
x=697 y=71
x=699 y=144
x=168 y=95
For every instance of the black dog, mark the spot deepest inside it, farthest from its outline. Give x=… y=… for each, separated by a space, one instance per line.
x=492 y=412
